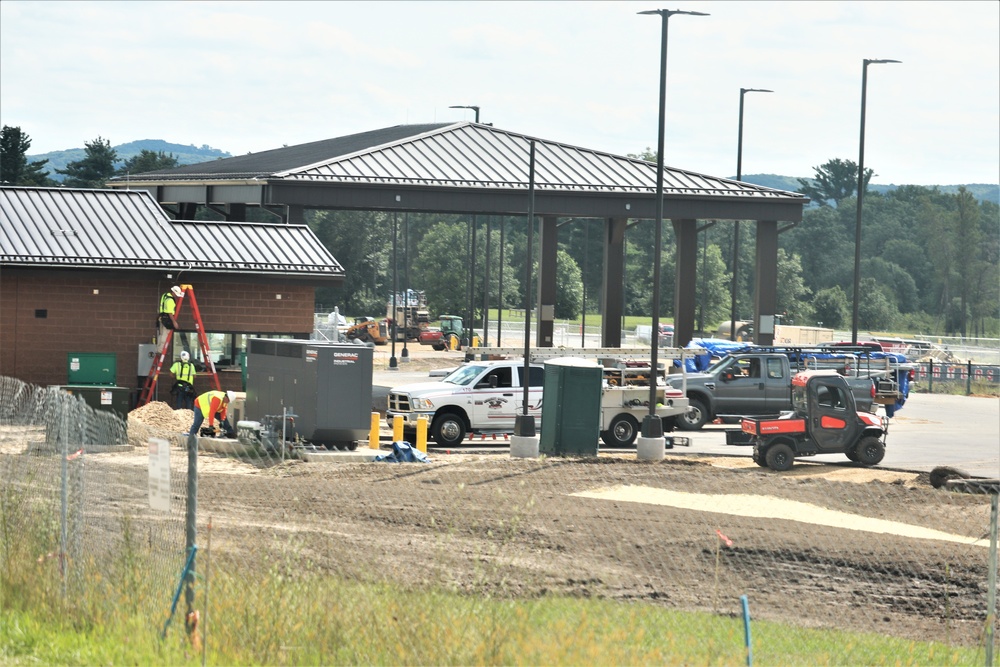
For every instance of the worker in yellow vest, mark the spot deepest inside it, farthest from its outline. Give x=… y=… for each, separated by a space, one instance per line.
x=212 y=405
x=165 y=319
x=184 y=373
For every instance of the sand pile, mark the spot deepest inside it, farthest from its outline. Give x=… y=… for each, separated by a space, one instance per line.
x=157 y=420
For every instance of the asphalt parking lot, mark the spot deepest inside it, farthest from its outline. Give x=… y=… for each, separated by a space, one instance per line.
x=931 y=430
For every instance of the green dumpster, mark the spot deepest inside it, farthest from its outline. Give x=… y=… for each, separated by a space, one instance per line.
x=571 y=407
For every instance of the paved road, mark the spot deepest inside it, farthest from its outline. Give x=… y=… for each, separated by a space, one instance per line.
x=932 y=430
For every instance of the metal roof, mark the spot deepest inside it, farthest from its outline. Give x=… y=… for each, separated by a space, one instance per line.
x=463 y=155
x=71 y=228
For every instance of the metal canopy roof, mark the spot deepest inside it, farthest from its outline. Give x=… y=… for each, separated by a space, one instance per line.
x=463 y=167
x=70 y=228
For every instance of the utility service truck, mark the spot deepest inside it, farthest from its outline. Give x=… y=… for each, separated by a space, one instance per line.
x=486 y=396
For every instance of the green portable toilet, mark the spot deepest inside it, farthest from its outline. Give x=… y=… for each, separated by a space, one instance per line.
x=571 y=407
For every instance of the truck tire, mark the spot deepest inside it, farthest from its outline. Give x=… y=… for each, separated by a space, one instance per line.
x=621 y=432
x=440 y=347
x=758 y=458
x=870 y=451
x=779 y=457
x=448 y=430
x=695 y=417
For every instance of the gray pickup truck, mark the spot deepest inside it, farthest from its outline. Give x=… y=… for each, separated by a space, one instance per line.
x=753 y=384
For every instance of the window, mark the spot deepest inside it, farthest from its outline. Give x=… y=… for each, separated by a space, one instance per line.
x=774 y=369
x=226 y=348
x=537 y=376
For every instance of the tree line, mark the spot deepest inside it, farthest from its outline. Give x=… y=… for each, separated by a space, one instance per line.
x=930 y=261
x=94 y=170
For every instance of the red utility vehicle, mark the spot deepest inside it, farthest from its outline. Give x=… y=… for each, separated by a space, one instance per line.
x=824 y=420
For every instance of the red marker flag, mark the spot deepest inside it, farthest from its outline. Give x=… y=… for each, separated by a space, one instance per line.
x=728 y=542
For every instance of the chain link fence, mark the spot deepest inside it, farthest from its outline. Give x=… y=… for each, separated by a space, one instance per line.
x=823 y=547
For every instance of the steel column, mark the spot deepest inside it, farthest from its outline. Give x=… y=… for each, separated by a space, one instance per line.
x=612 y=298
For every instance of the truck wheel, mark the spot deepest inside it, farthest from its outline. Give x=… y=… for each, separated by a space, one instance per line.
x=448 y=430
x=454 y=343
x=758 y=458
x=779 y=457
x=695 y=417
x=870 y=450
x=621 y=432
x=440 y=347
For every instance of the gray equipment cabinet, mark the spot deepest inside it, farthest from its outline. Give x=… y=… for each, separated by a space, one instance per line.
x=327 y=386
x=571 y=407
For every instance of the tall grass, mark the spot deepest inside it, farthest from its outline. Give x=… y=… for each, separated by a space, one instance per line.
x=288 y=612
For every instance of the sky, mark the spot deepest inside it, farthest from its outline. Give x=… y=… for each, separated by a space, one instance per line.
x=251 y=76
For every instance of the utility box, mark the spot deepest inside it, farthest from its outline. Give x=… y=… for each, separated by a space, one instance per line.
x=91 y=368
x=571 y=407
x=327 y=386
x=104 y=399
x=147 y=355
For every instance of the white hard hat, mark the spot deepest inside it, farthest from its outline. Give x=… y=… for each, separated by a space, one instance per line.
x=231 y=395
x=185 y=356
x=177 y=291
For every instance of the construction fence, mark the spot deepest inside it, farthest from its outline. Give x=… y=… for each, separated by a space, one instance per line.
x=128 y=516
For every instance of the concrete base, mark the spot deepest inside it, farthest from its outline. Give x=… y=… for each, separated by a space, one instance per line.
x=524 y=447
x=650 y=449
x=360 y=455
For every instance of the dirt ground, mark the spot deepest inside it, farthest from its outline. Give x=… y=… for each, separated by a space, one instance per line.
x=489 y=524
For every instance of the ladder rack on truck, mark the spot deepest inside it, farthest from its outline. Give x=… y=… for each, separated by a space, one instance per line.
x=540 y=353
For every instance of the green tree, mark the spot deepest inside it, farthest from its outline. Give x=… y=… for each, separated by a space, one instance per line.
x=96 y=167
x=14 y=166
x=830 y=306
x=712 y=292
x=834 y=181
x=362 y=243
x=876 y=311
x=792 y=295
x=569 y=287
x=967 y=240
x=147 y=160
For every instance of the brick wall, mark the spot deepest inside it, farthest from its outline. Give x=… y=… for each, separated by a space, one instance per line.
x=46 y=314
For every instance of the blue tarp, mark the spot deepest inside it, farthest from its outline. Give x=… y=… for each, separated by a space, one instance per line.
x=403 y=453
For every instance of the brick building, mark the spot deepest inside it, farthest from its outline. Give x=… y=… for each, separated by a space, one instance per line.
x=82 y=271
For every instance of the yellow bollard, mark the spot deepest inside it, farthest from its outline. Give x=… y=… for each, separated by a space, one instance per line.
x=397 y=428
x=422 y=434
x=373 y=439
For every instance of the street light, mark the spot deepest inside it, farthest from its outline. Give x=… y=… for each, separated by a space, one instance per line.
x=652 y=427
x=736 y=225
x=393 y=365
x=462 y=106
x=861 y=192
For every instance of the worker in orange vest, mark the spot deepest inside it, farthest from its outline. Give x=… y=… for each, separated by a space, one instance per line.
x=212 y=405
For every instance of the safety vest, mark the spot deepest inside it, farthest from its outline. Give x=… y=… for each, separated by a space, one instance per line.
x=167 y=303
x=184 y=371
x=209 y=403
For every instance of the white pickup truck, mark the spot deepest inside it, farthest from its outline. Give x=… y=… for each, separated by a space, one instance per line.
x=486 y=396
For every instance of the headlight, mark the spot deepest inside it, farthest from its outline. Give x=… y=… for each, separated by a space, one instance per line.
x=421 y=404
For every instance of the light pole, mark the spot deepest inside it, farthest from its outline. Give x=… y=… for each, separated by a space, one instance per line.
x=652 y=427
x=736 y=225
x=861 y=193
x=463 y=106
x=405 y=356
x=393 y=366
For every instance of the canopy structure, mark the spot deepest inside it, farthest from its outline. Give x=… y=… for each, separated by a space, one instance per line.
x=479 y=169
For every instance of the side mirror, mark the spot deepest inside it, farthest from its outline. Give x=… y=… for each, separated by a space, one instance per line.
x=727 y=376
x=493 y=382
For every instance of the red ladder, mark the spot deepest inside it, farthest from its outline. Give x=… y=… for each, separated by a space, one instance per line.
x=154 y=372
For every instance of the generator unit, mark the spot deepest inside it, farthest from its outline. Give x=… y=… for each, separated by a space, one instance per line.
x=327 y=386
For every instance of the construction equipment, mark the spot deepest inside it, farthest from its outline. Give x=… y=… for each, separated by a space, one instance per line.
x=411 y=317
x=149 y=387
x=367 y=330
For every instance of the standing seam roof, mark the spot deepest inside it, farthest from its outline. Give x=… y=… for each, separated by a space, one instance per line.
x=122 y=229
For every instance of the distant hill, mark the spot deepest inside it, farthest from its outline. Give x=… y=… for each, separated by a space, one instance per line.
x=184 y=154
x=981 y=191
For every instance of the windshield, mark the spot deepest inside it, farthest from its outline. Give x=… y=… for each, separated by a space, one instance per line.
x=464 y=375
x=719 y=365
